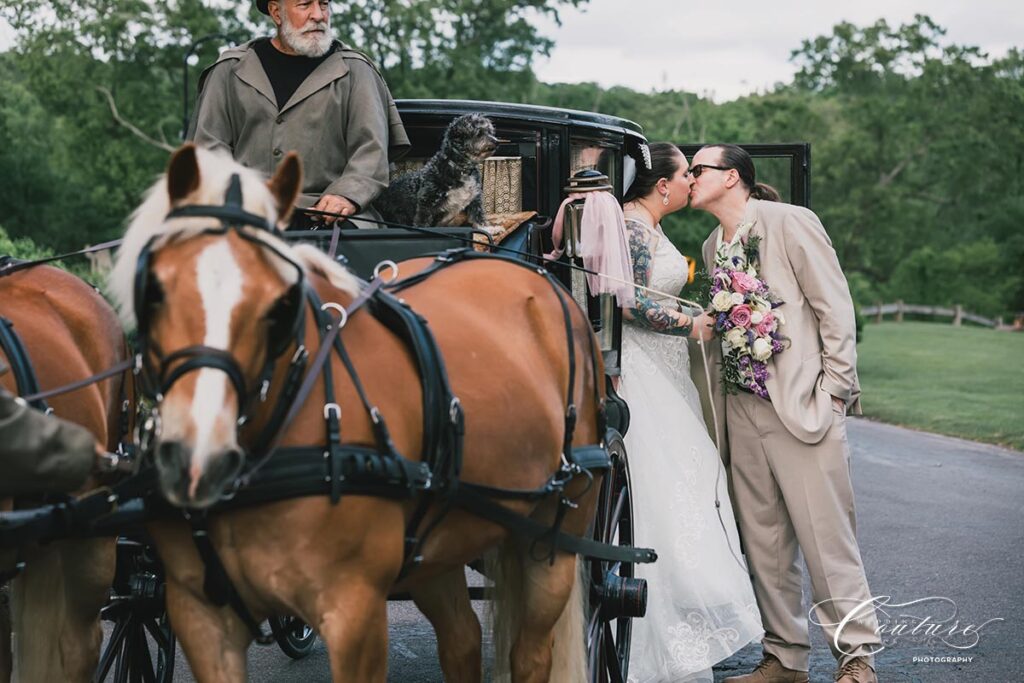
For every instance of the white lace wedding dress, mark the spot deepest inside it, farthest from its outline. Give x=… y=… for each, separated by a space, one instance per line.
x=700 y=607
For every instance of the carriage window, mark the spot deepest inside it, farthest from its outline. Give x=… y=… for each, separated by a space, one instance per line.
x=586 y=154
x=509 y=177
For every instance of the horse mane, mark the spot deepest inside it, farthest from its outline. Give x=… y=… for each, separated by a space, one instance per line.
x=150 y=221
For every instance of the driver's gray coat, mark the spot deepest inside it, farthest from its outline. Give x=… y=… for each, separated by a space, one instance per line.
x=341 y=120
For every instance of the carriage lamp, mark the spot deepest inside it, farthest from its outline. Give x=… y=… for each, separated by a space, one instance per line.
x=600 y=309
x=587 y=180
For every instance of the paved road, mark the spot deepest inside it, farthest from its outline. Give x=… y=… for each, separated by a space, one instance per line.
x=937 y=517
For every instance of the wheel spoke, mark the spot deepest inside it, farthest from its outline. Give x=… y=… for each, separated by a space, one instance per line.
x=111 y=652
x=606 y=503
x=620 y=503
x=158 y=634
x=143 y=658
x=123 y=657
x=612 y=656
x=595 y=620
x=595 y=655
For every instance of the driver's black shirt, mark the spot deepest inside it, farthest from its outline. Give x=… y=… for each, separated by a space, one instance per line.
x=286 y=72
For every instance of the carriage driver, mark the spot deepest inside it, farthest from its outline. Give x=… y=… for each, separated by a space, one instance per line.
x=302 y=90
x=42 y=454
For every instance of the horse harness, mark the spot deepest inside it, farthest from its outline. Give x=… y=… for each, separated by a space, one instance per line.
x=337 y=468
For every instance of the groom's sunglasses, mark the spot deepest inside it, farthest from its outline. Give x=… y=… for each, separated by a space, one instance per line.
x=697 y=170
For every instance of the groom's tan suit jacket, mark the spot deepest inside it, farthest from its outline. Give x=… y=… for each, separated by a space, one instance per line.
x=820 y=361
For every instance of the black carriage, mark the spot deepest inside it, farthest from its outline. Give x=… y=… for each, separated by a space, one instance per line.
x=540 y=150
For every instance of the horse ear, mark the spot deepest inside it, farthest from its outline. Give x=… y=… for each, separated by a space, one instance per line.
x=285 y=185
x=183 y=173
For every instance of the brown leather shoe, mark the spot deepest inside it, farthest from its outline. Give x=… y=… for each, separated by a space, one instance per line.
x=857 y=670
x=770 y=670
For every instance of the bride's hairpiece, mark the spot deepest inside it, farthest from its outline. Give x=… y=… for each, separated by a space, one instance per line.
x=646 y=152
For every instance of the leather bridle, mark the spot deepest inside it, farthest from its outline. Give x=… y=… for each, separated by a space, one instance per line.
x=161 y=371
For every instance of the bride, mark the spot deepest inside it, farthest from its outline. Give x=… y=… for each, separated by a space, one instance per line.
x=701 y=606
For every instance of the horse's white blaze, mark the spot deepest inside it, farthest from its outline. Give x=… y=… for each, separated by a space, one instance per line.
x=219 y=280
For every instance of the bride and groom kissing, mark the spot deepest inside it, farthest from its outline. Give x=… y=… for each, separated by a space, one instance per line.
x=783 y=321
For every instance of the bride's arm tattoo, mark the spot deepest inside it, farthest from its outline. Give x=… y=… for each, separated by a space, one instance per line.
x=647 y=312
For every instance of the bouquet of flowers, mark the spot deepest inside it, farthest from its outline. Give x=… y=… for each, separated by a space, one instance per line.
x=747 y=319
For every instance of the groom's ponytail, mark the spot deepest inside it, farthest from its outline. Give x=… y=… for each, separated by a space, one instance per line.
x=734 y=156
x=766 y=192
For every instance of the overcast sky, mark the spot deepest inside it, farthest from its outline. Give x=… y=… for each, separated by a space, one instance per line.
x=727 y=49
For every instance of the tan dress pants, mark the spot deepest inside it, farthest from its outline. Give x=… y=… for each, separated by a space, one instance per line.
x=790 y=495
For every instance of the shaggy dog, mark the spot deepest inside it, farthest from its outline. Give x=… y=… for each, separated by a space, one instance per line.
x=448 y=186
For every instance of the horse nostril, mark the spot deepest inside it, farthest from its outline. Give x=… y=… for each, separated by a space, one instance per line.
x=169 y=456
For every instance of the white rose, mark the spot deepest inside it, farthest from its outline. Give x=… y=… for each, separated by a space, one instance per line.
x=756 y=317
x=736 y=337
x=760 y=305
x=737 y=298
x=761 y=350
x=722 y=301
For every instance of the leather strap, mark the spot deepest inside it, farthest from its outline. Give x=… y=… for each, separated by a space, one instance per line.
x=217 y=585
x=118 y=369
x=479 y=504
x=312 y=374
x=21 y=364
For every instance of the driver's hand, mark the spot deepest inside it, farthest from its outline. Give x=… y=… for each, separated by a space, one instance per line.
x=336 y=204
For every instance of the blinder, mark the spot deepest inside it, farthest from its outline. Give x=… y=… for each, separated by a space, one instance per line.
x=285 y=318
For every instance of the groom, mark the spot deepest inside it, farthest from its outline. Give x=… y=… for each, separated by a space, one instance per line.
x=789 y=457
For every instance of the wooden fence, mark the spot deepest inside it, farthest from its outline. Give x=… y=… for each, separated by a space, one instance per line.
x=899 y=309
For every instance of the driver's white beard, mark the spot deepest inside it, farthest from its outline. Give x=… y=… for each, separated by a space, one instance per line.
x=307 y=45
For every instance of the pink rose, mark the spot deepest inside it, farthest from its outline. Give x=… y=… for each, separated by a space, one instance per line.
x=740 y=315
x=743 y=283
x=767 y=325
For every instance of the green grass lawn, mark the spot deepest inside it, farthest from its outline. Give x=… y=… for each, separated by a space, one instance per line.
x=965 y=381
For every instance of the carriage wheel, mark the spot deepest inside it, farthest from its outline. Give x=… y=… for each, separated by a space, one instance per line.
x=141 y=646
x=295 y=637
x=616 y=596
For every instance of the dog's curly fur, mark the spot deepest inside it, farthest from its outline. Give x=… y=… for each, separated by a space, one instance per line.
x=449 y=185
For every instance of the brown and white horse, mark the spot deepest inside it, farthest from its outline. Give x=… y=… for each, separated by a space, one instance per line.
x=503 y=337
x=70 y=333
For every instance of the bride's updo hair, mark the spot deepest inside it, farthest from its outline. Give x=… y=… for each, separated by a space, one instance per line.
x=734 y=156
x=665 y=163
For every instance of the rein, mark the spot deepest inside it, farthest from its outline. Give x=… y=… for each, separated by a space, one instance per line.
x=11 y=266
x=118 y=369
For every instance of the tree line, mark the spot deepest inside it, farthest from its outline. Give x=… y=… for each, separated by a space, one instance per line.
x=917 y=143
